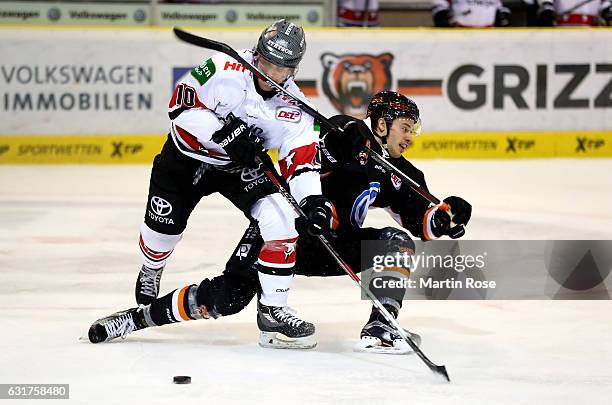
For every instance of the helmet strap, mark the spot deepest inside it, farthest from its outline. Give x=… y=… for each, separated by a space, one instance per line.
x=383 y=138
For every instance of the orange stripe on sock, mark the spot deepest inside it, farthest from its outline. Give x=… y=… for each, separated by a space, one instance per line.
x=181 y=306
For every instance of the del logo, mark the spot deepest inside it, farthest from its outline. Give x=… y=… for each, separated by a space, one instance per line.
x=288 y=114
x=397 y=182
x=350 y=80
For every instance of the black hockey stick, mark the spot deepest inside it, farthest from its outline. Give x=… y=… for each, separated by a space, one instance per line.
x=228 y=50
x=271 y=174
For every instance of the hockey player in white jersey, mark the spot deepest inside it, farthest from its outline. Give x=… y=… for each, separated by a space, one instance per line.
x=353 y=183
x=572 y=13
x=222 y=120
x=470 y=13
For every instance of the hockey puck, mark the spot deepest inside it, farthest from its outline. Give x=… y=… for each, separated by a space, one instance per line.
x=181 y=379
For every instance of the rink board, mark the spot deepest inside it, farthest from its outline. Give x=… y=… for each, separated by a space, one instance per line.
x=78 y=81
x=142 y=148
x=96 y=95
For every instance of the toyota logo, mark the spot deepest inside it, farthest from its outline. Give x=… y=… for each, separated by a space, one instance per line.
x=248 y=174
x=160 y=206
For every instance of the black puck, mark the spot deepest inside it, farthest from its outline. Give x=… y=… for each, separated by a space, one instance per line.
x=181 y=379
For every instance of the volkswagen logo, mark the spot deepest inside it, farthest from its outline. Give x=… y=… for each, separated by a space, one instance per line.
x=249 y=174
x=160 y=206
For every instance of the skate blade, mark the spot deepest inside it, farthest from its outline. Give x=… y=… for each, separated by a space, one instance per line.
x=275 y=340
x=370 y=344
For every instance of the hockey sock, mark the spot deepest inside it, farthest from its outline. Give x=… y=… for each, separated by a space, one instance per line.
x=178 y=306
x=275 y=270
x=390 y=284
x=274 y=287
x=151 y=258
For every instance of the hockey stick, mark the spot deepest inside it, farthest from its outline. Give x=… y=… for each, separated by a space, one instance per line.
x=440 y=370
x=221 y=47
x=228 y=50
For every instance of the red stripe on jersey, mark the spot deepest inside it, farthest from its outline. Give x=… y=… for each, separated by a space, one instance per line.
x=278 y=252
x=297 y=158
x=152 y=254
x=194 y=144
x=578 y=19
x=189 y=139
x=357 y=15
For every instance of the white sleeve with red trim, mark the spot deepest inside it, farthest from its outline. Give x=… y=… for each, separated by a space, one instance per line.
x=200 y=100
x=298 y=156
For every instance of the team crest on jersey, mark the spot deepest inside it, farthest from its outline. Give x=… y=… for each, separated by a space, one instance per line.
x=288 y=114
x=397 y=182
x=350 y=81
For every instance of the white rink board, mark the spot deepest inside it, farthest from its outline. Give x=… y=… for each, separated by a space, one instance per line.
x=68 y=255
x=33 y=60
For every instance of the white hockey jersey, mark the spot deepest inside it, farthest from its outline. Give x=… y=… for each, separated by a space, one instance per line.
x=586 y=14
x=352 y=13
x=469 y=13
x=220 y=86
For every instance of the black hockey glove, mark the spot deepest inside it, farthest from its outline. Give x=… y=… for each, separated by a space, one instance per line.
x=318 y=209
x=240 y=144
x=346 y=145
x=442 y=18
x=502 y=17
x=440 y=223
x=547 y=16
x=461 y=209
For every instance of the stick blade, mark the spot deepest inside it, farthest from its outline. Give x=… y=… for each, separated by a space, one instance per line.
x=202 y=42
x=441 y=370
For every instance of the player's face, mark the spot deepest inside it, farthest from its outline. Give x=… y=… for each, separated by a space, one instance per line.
x=277 y=73
x=401 y=135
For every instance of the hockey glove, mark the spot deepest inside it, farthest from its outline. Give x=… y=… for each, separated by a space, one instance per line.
x=440 y=223
x=442 y=18
x=460 y=209
x=461 y=212
x=547 y=16
x=346 y=145
x=606 y=14
x=318 y=210
x=240 y=144
x=502 y=17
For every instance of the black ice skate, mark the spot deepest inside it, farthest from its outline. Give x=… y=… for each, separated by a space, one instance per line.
x=378 y=336
x=147 y=285
x=281 y=329
x=119 y=324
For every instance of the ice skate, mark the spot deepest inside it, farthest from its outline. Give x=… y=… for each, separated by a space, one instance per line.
x=378 y=336
x=147 y=285
x=119 y=324
x=281 y=329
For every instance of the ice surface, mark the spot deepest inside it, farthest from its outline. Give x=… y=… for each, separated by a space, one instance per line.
x=69 y=255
